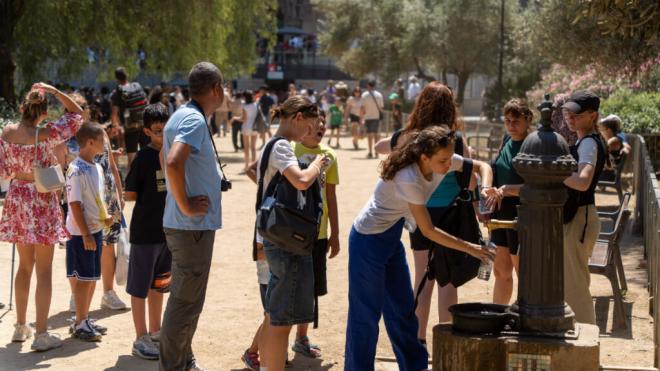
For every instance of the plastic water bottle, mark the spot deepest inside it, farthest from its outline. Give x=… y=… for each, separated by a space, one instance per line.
x=484 y=210
x=485 y=268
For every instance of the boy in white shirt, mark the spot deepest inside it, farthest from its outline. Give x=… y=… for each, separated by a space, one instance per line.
x=87 y=218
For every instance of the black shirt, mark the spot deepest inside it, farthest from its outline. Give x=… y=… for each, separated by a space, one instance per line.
x=148 y=180
x=265 y=103
x=117 y=101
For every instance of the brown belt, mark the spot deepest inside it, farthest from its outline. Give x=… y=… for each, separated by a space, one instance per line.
x=26 y=177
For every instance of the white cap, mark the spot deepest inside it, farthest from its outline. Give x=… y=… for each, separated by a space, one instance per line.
x=611 y=118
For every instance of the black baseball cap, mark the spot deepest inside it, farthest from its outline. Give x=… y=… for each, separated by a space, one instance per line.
x=582 y=100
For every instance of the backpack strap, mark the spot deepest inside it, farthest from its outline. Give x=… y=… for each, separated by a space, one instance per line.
x=263 y=166
x=458 y=144
x=395 y=138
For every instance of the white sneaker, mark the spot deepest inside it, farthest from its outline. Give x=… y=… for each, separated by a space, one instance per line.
x=21 y=333
x=110 y=300
x=72 y=304
x=46 y=341
x=145 y=348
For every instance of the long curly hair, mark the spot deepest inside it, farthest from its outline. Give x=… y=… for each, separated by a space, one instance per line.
x=34 y=105
x=425 y=142
x=435 y=106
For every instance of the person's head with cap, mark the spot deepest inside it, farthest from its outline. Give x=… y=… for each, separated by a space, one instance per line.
x=394 y=96
x=580 y=111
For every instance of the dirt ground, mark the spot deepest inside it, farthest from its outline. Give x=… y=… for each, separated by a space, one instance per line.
x=233 y=310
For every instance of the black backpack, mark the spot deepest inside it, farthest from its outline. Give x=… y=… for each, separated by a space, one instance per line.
x=135 y=100
x=281 y=219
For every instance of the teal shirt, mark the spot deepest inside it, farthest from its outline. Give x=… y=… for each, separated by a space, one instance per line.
x=506 y=174
x=446 y=192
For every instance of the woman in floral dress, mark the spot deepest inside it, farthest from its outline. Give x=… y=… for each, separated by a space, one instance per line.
x=32 y=220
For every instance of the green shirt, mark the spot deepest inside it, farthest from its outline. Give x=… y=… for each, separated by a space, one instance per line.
x=506 y=174
x=335 y=115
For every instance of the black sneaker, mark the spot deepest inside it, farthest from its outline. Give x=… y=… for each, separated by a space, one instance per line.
x=87 y=332
x=99 y=328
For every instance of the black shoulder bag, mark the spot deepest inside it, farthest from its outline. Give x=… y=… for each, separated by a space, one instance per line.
x=447 y=265
x=283 y=218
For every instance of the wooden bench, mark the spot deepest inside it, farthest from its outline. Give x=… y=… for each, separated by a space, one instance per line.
x=612 y=177
x=606 y=257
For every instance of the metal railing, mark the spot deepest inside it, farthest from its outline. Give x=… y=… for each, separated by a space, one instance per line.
x=647 y=224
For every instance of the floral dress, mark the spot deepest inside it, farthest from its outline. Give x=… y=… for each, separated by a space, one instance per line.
x=30 y=217
x=111 y=197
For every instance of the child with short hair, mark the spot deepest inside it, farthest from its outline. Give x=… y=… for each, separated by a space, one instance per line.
x=306 y=151
x=336 y=114
x=150 y=260
x=87 y=217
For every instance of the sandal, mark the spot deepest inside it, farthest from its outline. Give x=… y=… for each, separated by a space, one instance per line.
x=307 y=349
x=251 y=360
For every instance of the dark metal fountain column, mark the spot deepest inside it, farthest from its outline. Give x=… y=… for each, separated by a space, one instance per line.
x=544 y=161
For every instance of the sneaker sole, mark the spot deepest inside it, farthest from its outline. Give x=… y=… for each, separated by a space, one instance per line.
x=46 y=349
x=91 y=339
x=106 y=306
x=140 y=355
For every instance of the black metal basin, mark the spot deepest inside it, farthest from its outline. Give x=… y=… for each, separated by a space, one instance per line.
x=480 y=318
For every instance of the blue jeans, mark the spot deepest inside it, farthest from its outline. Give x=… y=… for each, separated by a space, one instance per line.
x=379 y=283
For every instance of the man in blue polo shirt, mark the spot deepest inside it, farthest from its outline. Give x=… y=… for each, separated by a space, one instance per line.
x=192 y=213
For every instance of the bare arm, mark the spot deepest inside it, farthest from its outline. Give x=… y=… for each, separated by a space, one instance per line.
x=66 y=101
x=175 y=168
x=581 y=180
x=302 y=179
x=423 y=220
x=383 y=146
x=114 y=116
x=333 y=219
x=484 y=171
x=75 y=208
x=130 y=196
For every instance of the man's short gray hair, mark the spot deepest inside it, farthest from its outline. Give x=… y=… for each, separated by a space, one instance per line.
x=203 y=77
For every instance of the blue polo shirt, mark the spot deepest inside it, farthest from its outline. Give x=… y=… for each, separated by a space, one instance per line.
x=187 y=125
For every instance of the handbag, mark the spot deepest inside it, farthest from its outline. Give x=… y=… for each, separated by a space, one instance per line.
x=281 y=218
x=122 y=252
x=46 y=179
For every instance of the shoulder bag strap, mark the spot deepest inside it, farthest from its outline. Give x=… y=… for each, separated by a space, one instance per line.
x=375 y=101
x=208 y=128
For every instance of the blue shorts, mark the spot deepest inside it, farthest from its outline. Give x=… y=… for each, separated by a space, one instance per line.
x=290 y=295
x=83 y=264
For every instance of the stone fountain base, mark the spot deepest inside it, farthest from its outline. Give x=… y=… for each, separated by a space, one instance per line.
x=509 y=352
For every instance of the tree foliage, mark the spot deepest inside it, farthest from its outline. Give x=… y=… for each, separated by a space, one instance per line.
x=572 y=33
x=174 y=34
x=391 y=37
x=628 y=19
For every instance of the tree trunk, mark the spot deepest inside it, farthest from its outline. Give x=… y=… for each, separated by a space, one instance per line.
x=10 y=13
x=463 y=77
x=421 y=73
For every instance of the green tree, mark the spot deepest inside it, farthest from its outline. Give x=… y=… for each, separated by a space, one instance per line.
x=566 y=32
x=389 y=37
x=36 y=34
x=629 y=19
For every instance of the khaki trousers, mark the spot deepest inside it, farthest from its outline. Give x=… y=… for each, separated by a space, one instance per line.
x=576 y=262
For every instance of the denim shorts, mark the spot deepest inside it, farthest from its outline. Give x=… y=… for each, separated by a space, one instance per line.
x=290 y=295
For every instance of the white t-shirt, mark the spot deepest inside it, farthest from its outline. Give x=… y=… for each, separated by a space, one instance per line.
x=281 y=158
x=370 y=109
x=251 y=113
x=84 y=183
x=390 y=200
x=356 y=105
x=413 y=91
x=587 y=151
